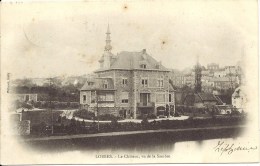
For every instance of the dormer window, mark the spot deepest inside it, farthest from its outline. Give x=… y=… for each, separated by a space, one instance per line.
x=90 y=83
x=143 y=66
x=105 y=85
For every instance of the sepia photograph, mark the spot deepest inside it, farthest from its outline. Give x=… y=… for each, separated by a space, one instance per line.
x=129 y=82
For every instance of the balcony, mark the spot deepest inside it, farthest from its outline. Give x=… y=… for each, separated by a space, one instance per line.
x=149 y=104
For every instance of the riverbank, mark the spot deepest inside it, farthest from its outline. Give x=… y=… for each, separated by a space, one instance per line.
x=112 y=134
x=129 y=140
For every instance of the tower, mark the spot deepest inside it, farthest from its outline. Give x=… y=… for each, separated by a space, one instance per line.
x=108 y=46
x=105 y=61
x=197 y=88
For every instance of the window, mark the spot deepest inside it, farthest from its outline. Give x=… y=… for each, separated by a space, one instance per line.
x=145 y=98
x=170 y=97
x=143 y=66
x=27 y=97
x=105 y=86
x=124 y=100
x=124 y=97
x=84 y=98
x=103 y=97
x=160 y=82
x=109 y=97
x=124 y=81
x=90 y=83
x=145 y=82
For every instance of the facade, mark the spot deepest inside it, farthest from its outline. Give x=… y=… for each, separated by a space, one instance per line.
x=177 y=78
x=224 y=82
x=98 y=94
x=239 y=99
x=219 y=73
x=133 y=83
x=224 y=109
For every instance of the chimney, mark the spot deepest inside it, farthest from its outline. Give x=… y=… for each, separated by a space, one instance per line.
x=144 y=51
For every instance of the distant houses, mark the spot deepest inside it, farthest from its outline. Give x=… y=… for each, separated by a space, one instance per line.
x=213 y=77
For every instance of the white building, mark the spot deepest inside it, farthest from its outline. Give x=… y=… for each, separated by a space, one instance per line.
x=239 y=99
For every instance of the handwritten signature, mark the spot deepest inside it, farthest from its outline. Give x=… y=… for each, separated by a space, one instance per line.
x=227 y=148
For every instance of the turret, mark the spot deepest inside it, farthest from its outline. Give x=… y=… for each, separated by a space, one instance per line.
x=197 y=77
x=105 y=60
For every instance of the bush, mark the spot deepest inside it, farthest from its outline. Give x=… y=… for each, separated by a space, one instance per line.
x=151 y=116
x=235 y=112
x=109 y=117
x=145 y=122
x=177 y=114
x=26 y=105
x=85 y=114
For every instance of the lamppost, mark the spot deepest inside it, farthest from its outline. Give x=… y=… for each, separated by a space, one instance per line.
x=97 y=108
x=50 y=98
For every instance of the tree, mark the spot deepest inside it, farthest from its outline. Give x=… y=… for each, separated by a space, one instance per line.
x=167 y=110
x=26 y=105
x=185 y=90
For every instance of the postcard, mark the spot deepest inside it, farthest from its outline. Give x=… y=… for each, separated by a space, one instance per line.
x=129 y=82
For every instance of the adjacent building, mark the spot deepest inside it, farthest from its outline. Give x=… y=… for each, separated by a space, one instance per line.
x=26 y=97
x=202 y=100
x=239 y=99
x=129 y=84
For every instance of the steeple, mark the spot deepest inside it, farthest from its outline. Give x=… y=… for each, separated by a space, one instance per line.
x=197 y=77
x=108 y=46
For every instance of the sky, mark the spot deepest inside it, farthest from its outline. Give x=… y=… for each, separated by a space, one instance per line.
x=54 y=39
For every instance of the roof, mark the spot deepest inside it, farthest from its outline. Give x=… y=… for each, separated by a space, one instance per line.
x=201 y=97
x=223 y=79
x=224 y=106
x=207 y=96
x=133 y=60
x=238 y=92
x=98 y=84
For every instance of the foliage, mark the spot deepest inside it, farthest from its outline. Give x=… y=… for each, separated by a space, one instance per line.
x=85 y=114
x=185 y=91
x=145 y=122
x=151 y=116
x=77 y=127
x=109 y=117
x=26 y=105
x=19 y=104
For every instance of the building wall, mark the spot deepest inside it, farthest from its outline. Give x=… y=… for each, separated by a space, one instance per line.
x=220 y=73
x=25 y=97
x=238 y=102
x=88 y=97
x=134 y=87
